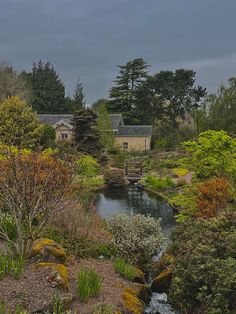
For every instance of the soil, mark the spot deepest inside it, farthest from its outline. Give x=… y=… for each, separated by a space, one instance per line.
x=33 y=292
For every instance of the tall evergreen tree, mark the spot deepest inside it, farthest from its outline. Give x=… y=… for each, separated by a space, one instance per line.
x=86 y=134
x=131 y=76
x=48 y=91
x=79 y=97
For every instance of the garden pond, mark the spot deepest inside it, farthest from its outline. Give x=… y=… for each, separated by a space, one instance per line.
x=136 y=200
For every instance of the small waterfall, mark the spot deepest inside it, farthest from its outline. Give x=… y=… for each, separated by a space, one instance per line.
x=159 y=305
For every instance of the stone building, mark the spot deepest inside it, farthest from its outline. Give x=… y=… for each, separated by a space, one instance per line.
x=127 y=137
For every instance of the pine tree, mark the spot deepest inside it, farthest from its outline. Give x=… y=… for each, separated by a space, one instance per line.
x=79 y=97
x=130 y=77
x=48 y=91
x=86 y=135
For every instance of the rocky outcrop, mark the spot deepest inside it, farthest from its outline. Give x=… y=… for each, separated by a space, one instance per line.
x=162 y=282
x=48 y=250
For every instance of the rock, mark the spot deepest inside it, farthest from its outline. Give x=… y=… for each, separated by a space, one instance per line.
x=139 y=277
x=156 y=267
x=131 y=302
x=145 y=293
x=162 y=282
x=66 y=301
x=59 y=275
x=48 y=251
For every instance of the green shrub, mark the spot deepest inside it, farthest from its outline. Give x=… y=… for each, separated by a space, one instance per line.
x=115 y=178
x=124 y=269
x=135 y=237
x=204 y=272
x=157 y=184
x=87 y=167
x=103 y=308
x=11 y=266
x=88 y=285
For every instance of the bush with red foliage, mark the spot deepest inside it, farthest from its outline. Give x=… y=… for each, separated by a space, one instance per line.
x=213 y=197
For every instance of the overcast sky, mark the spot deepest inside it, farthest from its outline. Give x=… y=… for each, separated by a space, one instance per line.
x=88 y=38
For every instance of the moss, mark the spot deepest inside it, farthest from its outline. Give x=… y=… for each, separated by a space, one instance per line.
x=46 y=247
x=62 y=271
x=162 y=282
x=132 y=302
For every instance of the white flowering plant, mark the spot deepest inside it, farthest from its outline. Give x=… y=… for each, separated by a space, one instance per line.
x=136 y=237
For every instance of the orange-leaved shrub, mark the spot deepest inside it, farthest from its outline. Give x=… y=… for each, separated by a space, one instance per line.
x=213 y=197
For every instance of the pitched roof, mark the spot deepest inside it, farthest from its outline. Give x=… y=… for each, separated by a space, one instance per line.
x=116 y=120
x=55 y=118
x=135 y=130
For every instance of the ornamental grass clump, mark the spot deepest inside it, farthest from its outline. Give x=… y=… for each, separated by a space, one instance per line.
x=136 y=237
x=11 y=266
x=88 y=285
x=125 y=269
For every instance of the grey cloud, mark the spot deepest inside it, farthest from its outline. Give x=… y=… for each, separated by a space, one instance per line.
x=88 y=38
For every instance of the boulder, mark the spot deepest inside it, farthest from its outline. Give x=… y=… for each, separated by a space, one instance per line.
x=48 y=250
x=162 y=282
x=59 y=275
x=131 y=302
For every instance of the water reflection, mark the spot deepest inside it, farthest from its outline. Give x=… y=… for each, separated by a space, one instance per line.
x=133 y=199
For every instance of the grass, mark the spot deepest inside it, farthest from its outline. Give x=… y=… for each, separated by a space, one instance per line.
x=11 y=266
x=88 y=285
x=4 y=309
x=157 y=184
x=124 y=269
x=103 y=308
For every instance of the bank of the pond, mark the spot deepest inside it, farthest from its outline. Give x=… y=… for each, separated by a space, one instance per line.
x=138 y=200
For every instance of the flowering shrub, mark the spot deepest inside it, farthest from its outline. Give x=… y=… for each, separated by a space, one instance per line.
x=136 y=237
x=156 y=184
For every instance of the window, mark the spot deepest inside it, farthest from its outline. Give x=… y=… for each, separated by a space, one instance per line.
x=64 y=136
x=125 y=145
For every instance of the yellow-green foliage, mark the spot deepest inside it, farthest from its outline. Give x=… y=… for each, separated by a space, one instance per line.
x=46 y=246
x=132 y=302
x=60 y=268
x=87 y=167
x=180 y=172
x=127 y=270
x=19 y=125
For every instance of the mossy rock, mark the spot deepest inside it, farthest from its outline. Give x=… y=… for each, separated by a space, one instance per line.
x=59 y=276
x=162 y=282
x=144 y=293
x=139 y=276
x=155 y=268
x=48 y=250
x=131 y=301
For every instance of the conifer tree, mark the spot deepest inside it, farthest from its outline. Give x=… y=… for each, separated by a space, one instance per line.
x=79 y=97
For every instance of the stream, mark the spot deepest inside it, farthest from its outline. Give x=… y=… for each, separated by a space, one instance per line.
x=133 y=199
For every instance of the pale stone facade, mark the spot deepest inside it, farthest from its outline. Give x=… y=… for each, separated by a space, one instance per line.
x=63 y=133
x=134 y=143
x=127 y=137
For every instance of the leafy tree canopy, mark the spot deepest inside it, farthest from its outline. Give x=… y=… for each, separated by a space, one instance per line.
x=105 y=128
x=212 y=154
x=19 y=125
